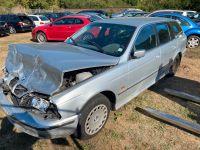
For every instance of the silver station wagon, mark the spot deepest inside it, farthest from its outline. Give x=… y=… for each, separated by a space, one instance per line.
x=56 y=89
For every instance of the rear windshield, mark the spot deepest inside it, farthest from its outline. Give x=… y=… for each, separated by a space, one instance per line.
x=25 y=20
x=43 y=18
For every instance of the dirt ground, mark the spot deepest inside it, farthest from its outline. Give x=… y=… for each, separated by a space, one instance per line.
x=126 y=128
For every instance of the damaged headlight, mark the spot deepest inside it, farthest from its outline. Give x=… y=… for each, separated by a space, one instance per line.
x=40 y=104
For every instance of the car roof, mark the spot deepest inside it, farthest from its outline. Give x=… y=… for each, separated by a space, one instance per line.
x=137 y=21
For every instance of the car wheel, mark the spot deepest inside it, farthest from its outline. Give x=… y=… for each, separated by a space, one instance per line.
x=12 y=30
x=193 y=41
x=174 y=67
x=41 y=37
x=93 y=117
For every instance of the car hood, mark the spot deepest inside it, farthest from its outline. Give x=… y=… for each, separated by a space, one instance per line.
x=40 y=67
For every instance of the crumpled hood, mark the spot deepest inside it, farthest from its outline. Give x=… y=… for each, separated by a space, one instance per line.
x=40 y=67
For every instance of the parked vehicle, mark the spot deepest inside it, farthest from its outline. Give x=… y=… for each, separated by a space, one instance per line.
x=197 y=18
x=98 y=15
x=124 y=12
x=66 y=88
x=99 y=12
x=54 y=15
x=61 y=28
x=18 y=22
x=136 y=14
x=39 y=20
x=4 y=28
x=191 y=29
x=187 y=13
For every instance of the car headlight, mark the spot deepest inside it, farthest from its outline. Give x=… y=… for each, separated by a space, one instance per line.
x=40 y=104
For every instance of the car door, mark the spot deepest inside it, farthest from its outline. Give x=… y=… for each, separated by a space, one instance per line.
x=60 y=29
x=77 y=25
x=143 y=71
x=167 y=45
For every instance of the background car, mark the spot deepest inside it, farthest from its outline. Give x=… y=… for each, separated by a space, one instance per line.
x=190 y=28
x=98 y=15
x=124 y=12
x=18 y=22
x=39 y=20
x=187 y=13
x=99 y=12
x=136 y=14
x=61 y=28
x=4 y=28
x=197 y=18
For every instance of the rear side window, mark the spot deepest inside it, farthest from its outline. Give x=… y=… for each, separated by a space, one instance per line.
x=13 y=18
x=26 y=20
x=146 y=39
x=163 y=33
x=175 y=29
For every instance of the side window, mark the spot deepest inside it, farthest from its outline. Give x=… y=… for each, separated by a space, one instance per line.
x=163 y=33
x=78 y=21
x=181 y=21
x=64 y=21
x=146 y=39
x=13 y=18
x=175 y=29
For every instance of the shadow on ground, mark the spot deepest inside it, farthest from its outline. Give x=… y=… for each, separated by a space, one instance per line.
x=180 y=84
x=10 y=139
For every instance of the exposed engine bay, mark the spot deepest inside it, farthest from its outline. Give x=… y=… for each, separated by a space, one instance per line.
x=37 y=102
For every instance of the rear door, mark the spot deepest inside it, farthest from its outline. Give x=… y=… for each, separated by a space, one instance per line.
x=167 y=45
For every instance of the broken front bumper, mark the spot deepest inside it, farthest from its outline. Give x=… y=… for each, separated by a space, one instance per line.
x=37 y=126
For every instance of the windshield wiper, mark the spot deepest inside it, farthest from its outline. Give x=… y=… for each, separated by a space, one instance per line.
x=74 y=42
x=96 y=45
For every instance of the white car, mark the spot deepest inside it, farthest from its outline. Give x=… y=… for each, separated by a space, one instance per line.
x=39 y=20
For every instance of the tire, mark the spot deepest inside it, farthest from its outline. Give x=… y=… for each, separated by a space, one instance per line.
x=174 y=67
x=193 y=41
x=41 y=37
x=12 y=30
x=93 y=117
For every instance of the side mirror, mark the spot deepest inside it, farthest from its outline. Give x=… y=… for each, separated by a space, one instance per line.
x=139 y=54
x=51 y=24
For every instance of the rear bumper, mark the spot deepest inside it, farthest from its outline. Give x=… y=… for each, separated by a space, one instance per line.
x=35 y=126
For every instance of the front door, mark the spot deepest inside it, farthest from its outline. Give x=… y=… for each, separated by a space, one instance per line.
x=143 y=71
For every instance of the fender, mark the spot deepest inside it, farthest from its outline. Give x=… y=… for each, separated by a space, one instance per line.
x=193 y=31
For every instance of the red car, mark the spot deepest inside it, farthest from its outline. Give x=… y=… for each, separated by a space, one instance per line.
x=60 y=29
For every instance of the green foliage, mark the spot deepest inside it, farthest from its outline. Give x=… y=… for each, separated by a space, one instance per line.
x=148 y=5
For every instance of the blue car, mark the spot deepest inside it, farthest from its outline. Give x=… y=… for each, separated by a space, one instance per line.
x=190 y=28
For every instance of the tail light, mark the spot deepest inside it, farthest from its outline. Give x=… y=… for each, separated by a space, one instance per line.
x=41 y=23
x=20 y=23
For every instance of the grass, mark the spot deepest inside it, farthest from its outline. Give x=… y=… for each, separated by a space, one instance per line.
x=126 y=128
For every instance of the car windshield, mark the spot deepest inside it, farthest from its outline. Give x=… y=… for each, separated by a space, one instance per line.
x=110 y=39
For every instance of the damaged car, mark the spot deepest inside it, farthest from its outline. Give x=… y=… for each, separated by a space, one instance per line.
x=52 y=90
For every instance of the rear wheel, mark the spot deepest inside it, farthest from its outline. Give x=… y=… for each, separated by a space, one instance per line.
x=41 y=37
x=174 y=67
x=12 y=30
x=93 y=117
x=193 y=41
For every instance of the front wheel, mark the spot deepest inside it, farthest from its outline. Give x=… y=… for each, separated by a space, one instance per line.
x=41 y=37
x=93 y=117
x=193 y=41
